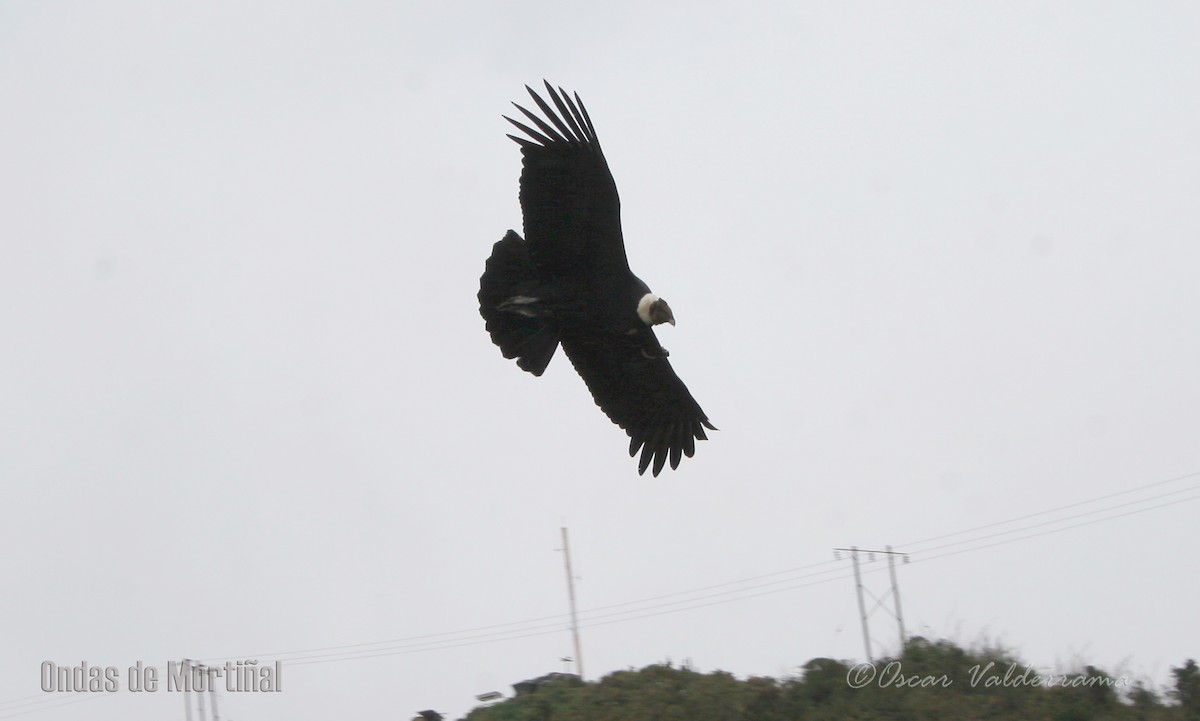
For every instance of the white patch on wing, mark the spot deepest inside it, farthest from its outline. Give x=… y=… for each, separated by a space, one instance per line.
x=519 y=304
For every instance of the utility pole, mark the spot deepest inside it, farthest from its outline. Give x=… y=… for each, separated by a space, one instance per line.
x=200 y=698
x=187 y=698
x=895 y=593
x=571 y=597
x=862 y=611
x=212 y=690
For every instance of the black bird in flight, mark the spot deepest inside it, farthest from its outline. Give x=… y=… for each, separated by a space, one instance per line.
x=568 y=282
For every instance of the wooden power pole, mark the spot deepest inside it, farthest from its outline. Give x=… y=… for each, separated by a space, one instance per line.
x=571 y=596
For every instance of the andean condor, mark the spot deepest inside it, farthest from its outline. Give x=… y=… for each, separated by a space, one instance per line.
x=568 y=282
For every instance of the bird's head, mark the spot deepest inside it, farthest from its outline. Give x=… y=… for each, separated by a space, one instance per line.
x=654 y=310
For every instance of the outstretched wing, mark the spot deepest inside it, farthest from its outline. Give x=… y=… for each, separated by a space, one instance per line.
x=640 y=392
x=569 y=200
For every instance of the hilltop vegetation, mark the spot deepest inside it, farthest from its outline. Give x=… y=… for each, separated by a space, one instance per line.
x=930 y=680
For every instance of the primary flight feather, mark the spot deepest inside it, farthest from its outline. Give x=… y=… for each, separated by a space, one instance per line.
x=567 y=282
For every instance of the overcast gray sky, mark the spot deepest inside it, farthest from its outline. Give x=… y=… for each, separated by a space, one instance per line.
x=934 y=267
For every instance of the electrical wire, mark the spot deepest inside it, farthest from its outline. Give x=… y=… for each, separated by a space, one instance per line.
x=638 y=609
x=590 y=617
x=1085 y=502
x=46 y=703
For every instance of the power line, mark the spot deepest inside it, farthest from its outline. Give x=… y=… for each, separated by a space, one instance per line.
x=66 y=701
x=737 y=594
x=555 y=620
x=593 y=619
x=398 y=652
x=1070 y=518
x=517 y=630
x=638 y=609
x=674 y=607
x=1085 y=502
x=1064 y=528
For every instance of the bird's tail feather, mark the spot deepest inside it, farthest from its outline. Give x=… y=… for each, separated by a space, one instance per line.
x=518 y=317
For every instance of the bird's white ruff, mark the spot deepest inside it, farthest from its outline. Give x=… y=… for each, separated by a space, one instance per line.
x=644 y=307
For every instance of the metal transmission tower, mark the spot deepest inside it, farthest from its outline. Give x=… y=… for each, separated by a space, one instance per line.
x=854 y=552
x=187 y=698
x=566 y=549
x=189 y=671
x=200 y=700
